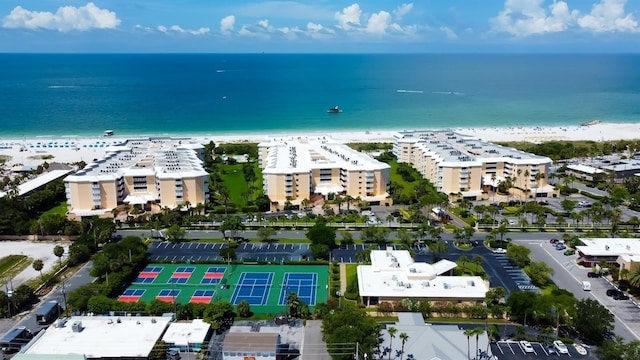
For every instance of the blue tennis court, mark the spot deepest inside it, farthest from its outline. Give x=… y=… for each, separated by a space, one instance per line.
x=213 y=275
x=185 y=269
x=203 y=293
x=168 y=295
x=303 y=284
x=253 y=288
x=152 y=269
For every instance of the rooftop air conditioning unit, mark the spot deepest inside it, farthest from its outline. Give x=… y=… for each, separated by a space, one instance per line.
x=76 y=327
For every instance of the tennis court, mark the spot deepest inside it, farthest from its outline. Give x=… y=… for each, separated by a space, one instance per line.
x=265 y=287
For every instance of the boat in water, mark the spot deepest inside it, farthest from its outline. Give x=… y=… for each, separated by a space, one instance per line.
x=334 y=110
x=108 y=133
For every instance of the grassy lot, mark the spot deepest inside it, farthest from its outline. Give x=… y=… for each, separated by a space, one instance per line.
x=352 y=280
x=60 y=209
x=10 y=261
x=408 y=187
x=233 y=178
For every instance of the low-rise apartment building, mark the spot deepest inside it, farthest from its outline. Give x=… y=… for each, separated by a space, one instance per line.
x=460 y=164
x=294 y=169
x=163 y=171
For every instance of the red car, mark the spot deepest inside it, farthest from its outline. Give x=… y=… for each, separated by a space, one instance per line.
x=553 y=241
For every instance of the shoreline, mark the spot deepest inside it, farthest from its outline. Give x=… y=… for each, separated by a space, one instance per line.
x=73 y=148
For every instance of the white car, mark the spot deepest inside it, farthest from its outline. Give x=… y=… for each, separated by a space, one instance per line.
x=526 y=346
x=560 y=347
x=500 y=251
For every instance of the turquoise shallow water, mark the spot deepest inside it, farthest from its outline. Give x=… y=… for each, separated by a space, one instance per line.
x=75 y=94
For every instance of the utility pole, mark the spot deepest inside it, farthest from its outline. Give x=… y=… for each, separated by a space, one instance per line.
x=64 y=294
x=357 y=350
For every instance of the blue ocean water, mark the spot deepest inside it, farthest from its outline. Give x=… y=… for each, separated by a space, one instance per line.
x=84 y=94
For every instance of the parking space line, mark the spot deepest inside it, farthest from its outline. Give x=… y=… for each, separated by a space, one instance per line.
x=510 y=348
x=499 y=348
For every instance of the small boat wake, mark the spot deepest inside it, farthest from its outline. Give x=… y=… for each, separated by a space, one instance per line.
x=62 y=86
x=403 y=91
x=448 y=92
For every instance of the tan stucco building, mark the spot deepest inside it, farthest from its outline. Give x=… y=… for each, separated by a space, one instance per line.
x=293 y=169
x=163 y=171
x=456 y=163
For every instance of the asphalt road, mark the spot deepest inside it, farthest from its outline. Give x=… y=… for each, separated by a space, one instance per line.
x=568 y=275
x=28 y=319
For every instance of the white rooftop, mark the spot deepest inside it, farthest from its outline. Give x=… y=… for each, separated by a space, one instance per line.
x=302 y=154
x=39 y=181
x=393 y=273
x=455 y=148
x=584 y=169
x=162 y=157
x=185 y=333
x=609 y=246
x=102 y=337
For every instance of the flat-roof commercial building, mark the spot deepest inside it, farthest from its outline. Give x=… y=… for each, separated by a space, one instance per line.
x=296 y=168
x=250 y=345
x=623 y=251
x=164 y=171
x=187 y=335
x=393 y=275
x=457 y=163
x=101 y=337
x=584 y=172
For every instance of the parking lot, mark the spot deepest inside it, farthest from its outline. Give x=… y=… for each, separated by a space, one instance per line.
x=569 y=275
x=514 y=273
x=511 y=350
x=198 y=251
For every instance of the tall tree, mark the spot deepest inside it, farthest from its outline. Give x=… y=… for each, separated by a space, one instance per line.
x=58 y=251
x=404 y=337
x=469 y=333
x=592 y=320
x=38 y=265
x=392 y=334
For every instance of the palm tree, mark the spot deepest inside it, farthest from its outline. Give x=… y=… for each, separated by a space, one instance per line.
x=58 y=251
x=469 y=333
x=634 y=277
x=477 y=259
x=38 y=265
x=477 y=332
x=404 y=337
x=463 y=259
x=392 y=334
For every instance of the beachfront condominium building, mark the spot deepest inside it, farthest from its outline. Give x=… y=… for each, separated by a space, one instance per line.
x=459 y=164
x=163 y=171
x=296 y=168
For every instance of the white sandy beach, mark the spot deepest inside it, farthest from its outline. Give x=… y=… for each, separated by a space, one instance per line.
x=68 y=149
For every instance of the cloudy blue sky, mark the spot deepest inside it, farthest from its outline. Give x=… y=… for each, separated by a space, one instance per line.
x=320 y=26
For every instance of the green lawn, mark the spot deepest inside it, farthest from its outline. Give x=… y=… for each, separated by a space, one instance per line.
x=60 y=209
x=233 y=178
x=408 y=187
x=10 y=261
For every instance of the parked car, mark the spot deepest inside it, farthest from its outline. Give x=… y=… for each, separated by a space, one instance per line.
x=592 y=274
x=569 y=252
x=560 y=347
x=543 y=203
x=526 y=346
x=584 y=204
x=500 y=251
x=621 y=296
x=613 y=292
x=560 y=247
x=554 y=241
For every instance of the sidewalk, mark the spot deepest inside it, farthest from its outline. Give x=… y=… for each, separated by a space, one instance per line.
x=343 y=278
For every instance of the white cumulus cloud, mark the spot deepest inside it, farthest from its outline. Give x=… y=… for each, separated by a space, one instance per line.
x=528 y=17
x=349 y=17
x=402 y=10
x=609 y=16
x=378 y=23
x=66 y=18
x=227 y=23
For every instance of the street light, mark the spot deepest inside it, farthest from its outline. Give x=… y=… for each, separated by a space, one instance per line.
x=339 y=295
